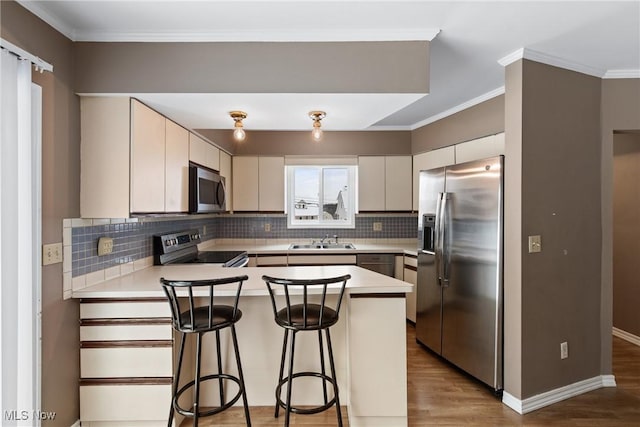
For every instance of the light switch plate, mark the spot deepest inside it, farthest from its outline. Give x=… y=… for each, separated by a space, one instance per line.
x=535 y=244
x=51 y=253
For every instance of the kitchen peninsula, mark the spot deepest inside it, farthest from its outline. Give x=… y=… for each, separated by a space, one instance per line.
x=127 y=354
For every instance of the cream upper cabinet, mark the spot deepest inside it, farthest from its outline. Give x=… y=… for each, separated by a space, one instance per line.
x=245 y=183
x=203 y=153
x=371 y=183
x=481 y=148
x=271 y=184
x=104 y=157
x=147 y=159
x=429 y=160
x=398 y=183
x=225 y=171
x=176 y=168
x=384 y=183
x=258 y=183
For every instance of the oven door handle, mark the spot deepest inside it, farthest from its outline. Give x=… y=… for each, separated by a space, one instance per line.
x=244 y=263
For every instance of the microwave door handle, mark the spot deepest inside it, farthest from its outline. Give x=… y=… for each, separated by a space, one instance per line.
x=220 y=193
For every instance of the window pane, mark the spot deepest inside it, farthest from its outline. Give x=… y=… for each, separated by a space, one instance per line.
x=306 y=186
x=335 y=184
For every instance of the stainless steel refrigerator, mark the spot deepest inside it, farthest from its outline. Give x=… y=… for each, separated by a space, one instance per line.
x=460 y=245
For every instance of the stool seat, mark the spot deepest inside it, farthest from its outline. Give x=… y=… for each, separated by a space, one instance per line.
x=306 y=318
x=222 y=316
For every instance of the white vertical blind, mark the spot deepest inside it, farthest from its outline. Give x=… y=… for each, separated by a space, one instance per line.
x=20 y=219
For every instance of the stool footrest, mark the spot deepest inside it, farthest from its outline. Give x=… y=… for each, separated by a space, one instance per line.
x=214 y=410
x=313 y=410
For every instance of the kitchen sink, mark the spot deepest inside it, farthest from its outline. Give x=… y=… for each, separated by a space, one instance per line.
x=322 y=246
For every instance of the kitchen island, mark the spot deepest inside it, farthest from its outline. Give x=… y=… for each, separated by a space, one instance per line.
x=128 y=356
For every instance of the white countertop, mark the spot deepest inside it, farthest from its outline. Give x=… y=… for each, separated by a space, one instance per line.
x=145 y=283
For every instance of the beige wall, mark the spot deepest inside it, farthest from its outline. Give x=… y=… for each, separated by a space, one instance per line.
x=626 y=232
x=300 y=143
x=560 y=200
x=341 y=67
x=61 y=192
x=486 y=118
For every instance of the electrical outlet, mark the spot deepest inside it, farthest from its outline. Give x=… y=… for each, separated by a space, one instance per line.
x=267 y=227
x=564 y=350
x=51 y=253
x=377 y=226
x=105 y=246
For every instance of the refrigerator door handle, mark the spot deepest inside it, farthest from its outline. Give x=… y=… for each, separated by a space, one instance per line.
x=444 y=248
x=437 y=247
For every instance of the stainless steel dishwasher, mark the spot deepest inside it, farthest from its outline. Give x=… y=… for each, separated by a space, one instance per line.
x=380 y=263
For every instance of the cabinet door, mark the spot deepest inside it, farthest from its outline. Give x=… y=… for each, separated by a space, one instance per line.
x=225 y=171
x=245 y=183
x=147 y=159
x=104 y=150
x=411 y=276
x=203 y=153
x=398 y=183
x=176 y=168
x=480 y=148
x=271 y=184
x=371 y=183
x=432 y=159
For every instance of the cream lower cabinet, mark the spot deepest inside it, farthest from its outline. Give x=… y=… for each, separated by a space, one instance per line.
x=258 y=183
x=411 y=276
x=126 y=362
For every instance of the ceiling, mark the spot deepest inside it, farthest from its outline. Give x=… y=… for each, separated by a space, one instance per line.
x=600 y=38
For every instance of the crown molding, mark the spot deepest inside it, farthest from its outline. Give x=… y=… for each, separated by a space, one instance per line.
x=555 y=61
x=468 y=104
x=622 y=74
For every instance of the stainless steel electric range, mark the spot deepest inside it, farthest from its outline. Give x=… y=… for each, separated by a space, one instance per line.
x=182 y=248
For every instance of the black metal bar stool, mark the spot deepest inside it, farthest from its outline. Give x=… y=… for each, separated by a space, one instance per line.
x=208 y=317
x=306 y=315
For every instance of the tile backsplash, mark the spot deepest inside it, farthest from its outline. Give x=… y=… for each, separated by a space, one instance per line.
x=133 y=238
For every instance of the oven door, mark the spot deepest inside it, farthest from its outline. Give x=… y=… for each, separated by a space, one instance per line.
x=206 y=190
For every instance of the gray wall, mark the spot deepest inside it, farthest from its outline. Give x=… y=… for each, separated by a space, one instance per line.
x=626 y=232
x=339 y=67
x=486 y=118
x=300 y=143
x=61 y=193
x=560 y=200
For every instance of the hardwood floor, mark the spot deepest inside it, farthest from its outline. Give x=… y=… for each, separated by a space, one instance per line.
x=439 y=395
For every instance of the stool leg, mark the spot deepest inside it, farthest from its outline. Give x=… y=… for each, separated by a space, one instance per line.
x=290 y=382
x=324 y=383
x=282 y=359
x=240 y=375
x=176 y=380
x=333 y=375
x=196 y=400
x=220 y=382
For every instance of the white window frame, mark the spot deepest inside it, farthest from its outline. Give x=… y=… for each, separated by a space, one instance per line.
x=351 y=201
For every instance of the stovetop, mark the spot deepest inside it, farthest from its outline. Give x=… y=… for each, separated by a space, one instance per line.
x=182 y=248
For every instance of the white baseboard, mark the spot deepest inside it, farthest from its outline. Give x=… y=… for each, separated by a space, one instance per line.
x=553 y=396
x=76 y=424
x=633 y=339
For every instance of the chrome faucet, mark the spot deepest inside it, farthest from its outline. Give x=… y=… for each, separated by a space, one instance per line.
x=326 y=236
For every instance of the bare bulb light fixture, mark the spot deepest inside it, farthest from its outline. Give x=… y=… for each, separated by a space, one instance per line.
x=238 y=117
x=316 y=116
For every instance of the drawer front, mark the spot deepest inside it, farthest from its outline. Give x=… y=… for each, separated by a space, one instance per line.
x=125 y=332
x=279 y=260
x=126 y=362
x=321 y=259
x=125 y=402
x=115 y=310
x=411 y=261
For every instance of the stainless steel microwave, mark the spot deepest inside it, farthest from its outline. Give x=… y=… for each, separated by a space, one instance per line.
x=206 y=190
